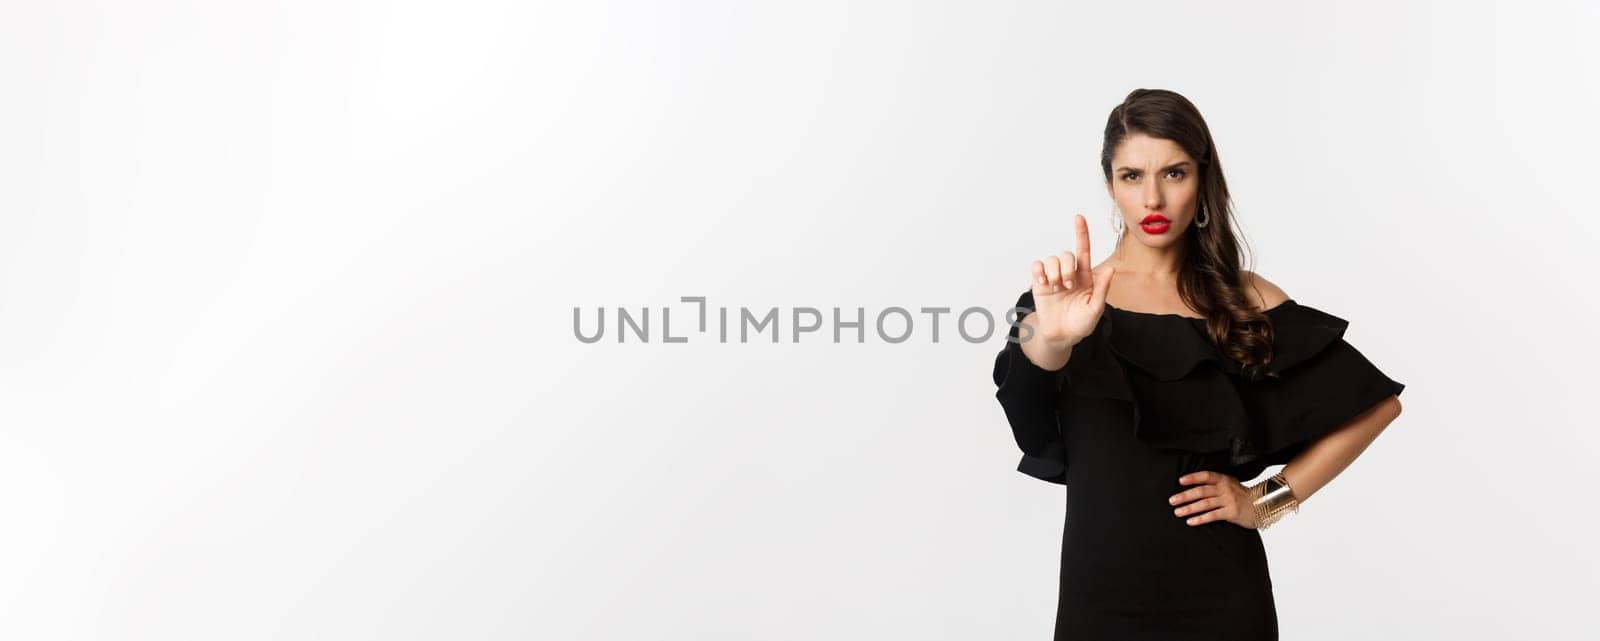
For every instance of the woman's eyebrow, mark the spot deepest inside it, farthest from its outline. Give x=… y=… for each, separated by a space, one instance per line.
x=1171 y=166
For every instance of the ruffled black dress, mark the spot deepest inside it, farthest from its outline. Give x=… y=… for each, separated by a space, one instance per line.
x=1144 y=400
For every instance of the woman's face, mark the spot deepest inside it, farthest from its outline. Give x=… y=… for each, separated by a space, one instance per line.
x=1154 y=179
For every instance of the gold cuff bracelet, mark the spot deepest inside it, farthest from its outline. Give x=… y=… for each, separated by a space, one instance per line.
x=1272 y=499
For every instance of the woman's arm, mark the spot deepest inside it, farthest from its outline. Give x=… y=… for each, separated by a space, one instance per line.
x=1028 y=391
x=1325 y=458
x=1049 y=356
x=1221 y=497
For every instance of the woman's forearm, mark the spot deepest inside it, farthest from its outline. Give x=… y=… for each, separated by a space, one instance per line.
x=1045 y=354
x=1325 y=458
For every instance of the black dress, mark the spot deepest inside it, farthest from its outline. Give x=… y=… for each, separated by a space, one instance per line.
x=1142 y=401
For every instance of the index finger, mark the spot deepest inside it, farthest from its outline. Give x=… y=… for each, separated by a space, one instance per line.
x=1082 y=228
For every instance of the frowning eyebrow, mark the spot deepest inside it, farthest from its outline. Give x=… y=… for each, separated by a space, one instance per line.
x=1166 y=168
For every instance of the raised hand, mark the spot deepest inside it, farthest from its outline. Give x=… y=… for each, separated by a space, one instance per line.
x=1068 y=297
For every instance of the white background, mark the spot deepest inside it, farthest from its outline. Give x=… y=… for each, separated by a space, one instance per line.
x=286 y=294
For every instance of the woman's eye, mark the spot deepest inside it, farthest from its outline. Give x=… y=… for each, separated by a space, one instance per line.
x=1176 y=173
x=1130 y=177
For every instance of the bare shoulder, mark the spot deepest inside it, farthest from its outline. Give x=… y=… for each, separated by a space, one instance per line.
x=1263 y=293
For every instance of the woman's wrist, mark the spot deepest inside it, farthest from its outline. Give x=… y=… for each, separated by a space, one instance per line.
x=1272 y=499
x=1048 y=353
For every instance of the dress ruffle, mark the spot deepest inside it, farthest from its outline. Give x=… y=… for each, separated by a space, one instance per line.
x=1187 y=395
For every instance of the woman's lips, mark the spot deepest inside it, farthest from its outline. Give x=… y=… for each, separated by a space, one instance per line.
x=1155 y=224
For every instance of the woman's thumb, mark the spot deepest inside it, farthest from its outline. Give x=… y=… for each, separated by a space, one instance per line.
x=1102 y=284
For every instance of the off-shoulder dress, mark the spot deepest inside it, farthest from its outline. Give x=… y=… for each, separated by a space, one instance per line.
x=1142 y=401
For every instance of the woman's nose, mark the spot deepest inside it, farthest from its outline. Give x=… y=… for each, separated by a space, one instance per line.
x=1152 y=197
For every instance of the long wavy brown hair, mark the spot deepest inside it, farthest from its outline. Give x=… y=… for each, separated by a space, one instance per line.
x=1210 y=279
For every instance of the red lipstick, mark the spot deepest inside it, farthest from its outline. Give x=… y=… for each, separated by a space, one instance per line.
x=1155 y=224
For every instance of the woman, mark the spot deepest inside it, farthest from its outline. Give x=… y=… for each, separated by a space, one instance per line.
x=1152 y=400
